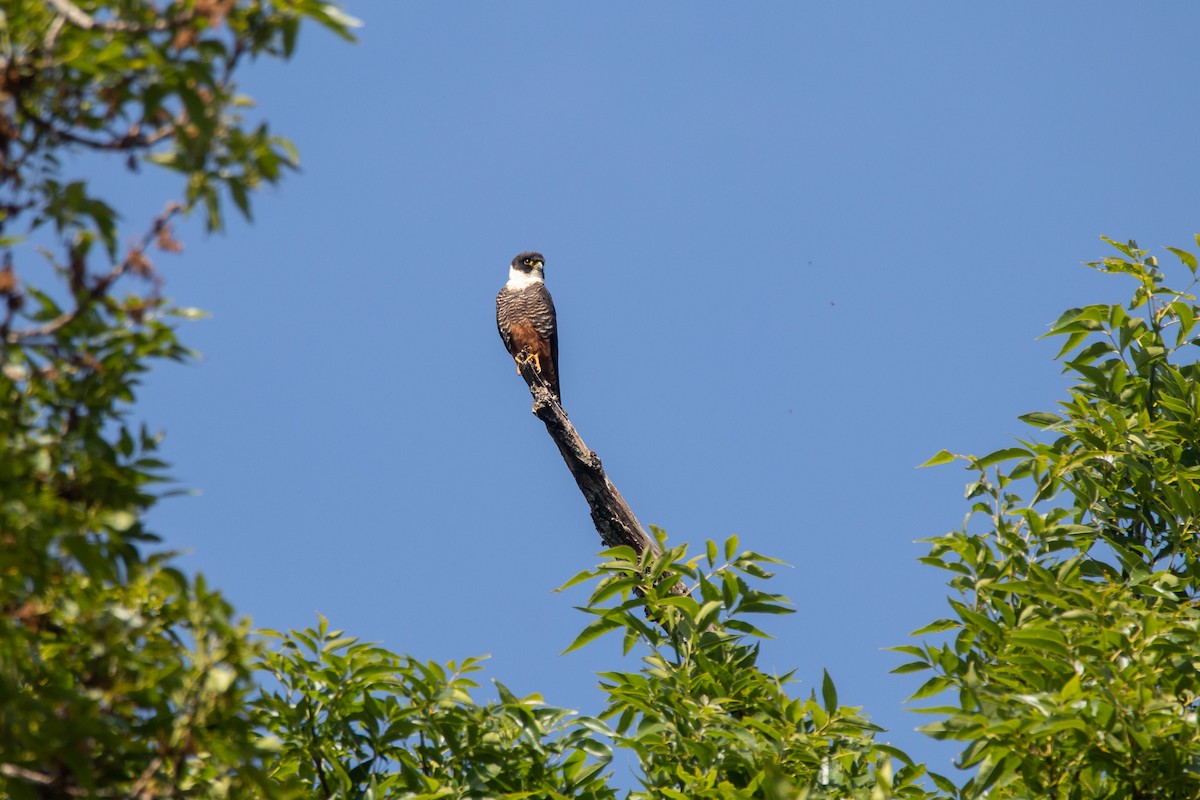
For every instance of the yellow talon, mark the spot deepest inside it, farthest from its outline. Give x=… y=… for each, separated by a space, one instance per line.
x=524 y=358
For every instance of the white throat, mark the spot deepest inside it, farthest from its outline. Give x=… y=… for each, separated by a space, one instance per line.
x=523 y=280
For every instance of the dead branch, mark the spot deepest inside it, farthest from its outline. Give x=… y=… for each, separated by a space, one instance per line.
x=614 y=520
x=612 y=516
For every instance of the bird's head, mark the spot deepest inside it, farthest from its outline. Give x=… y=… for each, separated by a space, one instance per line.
x=529 y=263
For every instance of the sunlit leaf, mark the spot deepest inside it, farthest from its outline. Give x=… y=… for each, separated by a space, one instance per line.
x=939 y=458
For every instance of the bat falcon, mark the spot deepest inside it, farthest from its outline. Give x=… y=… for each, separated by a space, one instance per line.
x=525 y=317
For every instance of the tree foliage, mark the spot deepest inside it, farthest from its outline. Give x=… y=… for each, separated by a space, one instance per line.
x=1074 y=644
x=119 y=675
x=354 y=720
x=703 y=720
x=1067 y=667
x=698 y=716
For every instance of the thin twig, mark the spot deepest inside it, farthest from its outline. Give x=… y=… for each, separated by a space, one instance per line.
x=52 y=34
x=143 y=781
x=125 y=141
x=48 y=781
x=73 y=14
x=102 y=284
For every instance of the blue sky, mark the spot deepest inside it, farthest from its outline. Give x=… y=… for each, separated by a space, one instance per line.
x=795 y=249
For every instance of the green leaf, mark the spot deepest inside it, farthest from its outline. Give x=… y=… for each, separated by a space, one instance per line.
x=937 y=626
x=935 y=685
x=1091 y=353
x=1071 y=690
x=1073 y=340
x=944 y=784
x=908 y=649
x=333 y=645
x=1129 y=250
x=579 y=578
x=707 y=615
x=896 y=753
x=912 y=666
x=241 y=197
x=1041 y=419
x=1188 y=259
x=828 y=693
x=593 y=632
x=1040 y=639
x=741 y=626
x=731 y=547
x=938 y=458
x=998 y=456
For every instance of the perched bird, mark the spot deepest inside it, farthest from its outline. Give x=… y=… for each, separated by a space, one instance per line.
x=525 y=317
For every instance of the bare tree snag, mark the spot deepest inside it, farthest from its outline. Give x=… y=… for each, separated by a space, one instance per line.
x=612 y=516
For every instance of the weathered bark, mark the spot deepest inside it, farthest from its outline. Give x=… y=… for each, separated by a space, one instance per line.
x=614 y=520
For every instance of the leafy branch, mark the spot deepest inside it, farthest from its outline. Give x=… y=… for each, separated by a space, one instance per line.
x=122 y=676
x=135 y=261
x=1070 y=647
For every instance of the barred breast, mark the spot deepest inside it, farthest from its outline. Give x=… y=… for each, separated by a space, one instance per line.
x=526 y=321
